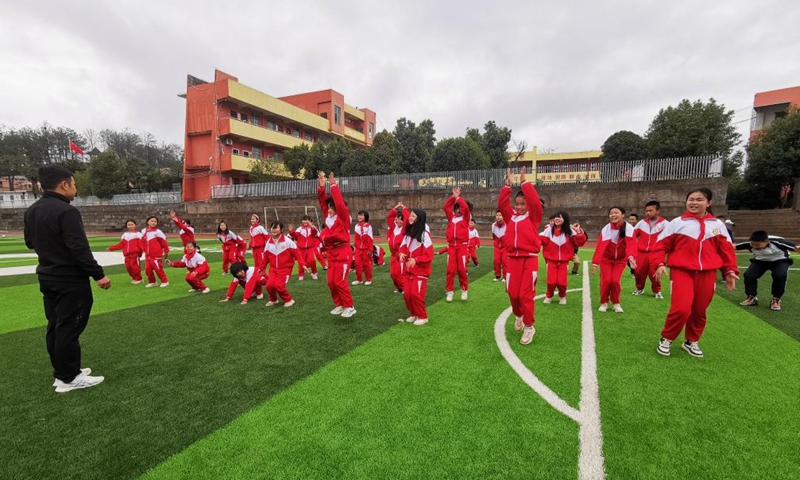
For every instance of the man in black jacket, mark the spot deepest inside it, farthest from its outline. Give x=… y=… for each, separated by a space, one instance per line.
x=770 y=253
x=54 y=229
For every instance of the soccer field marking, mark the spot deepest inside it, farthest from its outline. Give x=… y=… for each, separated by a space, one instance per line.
x=590 y=458
x=105 y=259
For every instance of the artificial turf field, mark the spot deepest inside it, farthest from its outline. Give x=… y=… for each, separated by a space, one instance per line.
x=200 y=389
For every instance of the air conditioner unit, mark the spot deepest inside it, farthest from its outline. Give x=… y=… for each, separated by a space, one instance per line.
x=228 y=141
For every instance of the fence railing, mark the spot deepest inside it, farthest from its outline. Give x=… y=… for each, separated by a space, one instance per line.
x=125 y=199
x=606 y=172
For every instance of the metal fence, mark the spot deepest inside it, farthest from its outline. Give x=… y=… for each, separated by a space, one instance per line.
x=126 y=199
x=606 y=172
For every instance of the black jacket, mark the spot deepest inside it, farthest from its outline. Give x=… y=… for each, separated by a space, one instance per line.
x=54 y=229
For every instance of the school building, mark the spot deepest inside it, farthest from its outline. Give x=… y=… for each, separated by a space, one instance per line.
x=771 y=105
x=560 y=167
x=229 y=125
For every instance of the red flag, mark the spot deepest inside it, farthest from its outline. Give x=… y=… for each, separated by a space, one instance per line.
x=75 y=148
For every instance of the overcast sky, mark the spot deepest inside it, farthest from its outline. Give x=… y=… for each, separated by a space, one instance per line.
x=562 y=75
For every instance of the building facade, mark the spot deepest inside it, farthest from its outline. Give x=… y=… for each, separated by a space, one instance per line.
x=560 y=167
x=771 y=105
x=230 y=125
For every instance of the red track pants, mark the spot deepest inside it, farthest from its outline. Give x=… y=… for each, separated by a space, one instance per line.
x=133 y=267
x=154 y=266
x=500 y=259
x=276 y=286
x=309 y=259
x=557 y=278
x=364 y=264
x=691 y=293
x=338 y=268
x=457 y=263
x=610 y=274
x=414 y=292
x=196 y=281
x=521 y=286
x=646 y=268
x=396 y=273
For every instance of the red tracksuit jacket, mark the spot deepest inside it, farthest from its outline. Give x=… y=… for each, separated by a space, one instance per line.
x=457 y=227
x=522 y=231
x=195 y=263
x=647 y=234
x=154 y=243
x=281 y=255
x=258 y=236
x=186 y=232
x=498 y=232
x=422 y=252
x=231 y=241
x=613 y=246
x=130 y=244
x=305 y=237
x=249 y=283
x=693 y=243
x=474 y=238
x=395 y=234
x=557 y=247
x=363 y=236
x=337 y=228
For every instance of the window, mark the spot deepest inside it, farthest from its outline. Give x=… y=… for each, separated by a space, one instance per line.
x=324 y=115
x=308 y=137
x=235 y=151
x=256 y=152
x=296 y=132
x=556 y=168
x=234 y=114
x=270 y=125
x=243 y=117
x=371 y=129
x=246 y=154
x=255 y=119
x=337 y=114
x=583 y=166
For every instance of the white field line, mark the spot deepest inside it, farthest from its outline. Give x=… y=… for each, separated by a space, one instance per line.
x=590 y=458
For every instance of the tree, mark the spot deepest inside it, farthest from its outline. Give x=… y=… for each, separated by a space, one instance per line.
x=267 y=170
x=105 y=175
x=336 y=153
x=13 y=161
x=774 y=156
x=624 y=146
x=83 y=183
x=495 y=144
x=361 y=163
x=385 y=152
x=692 y=129
x=453 y=154
x=415 y=144
x=296 y=158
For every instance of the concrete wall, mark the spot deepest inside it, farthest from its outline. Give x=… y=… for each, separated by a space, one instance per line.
x=586 y=203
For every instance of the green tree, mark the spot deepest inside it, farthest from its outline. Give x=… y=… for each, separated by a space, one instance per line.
x=13 y=161
x=296 y=158
x=692 y=129
x=624 y=146
x=106 y=178
x=453 y=154
x=385 y=152
x=361 y=163
x=774 y=156
x=495 y=144
x=336 y=153
x=415 y=145
x=83 y=184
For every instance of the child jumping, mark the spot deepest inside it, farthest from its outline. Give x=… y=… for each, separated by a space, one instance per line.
x=415 y=256
x=474 y=242
x=197 y=266
x=458 y=216
x=306 y=237
x=281 y=253
x=131 y=246
x=233 y=246
x=248 y=278
x=615 y=249
x=397 y=221
x=364 y=241
x=559 y=243
x=522 y=244
x=335 y=238
x=646 y=232
x=695 y=245
x=498 y=232
x=770 y=253
x=154 y=244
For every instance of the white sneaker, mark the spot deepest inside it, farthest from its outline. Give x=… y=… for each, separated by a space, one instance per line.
x=192 y=290
x=638 y=292
x=135 y=282
x=658 y=296
x=368 y=283
x=289 y=303
x=603 y=307
x=81 y=381
x=562 y=301
x=85 y=371
x=518 y=324
x=527 y=335
x=300 y=279
x=150 y=285
x=314 y=276
x=337 y=311
x=449 y=297
x=224 y=273
x=348 y=312
x=547 y=300
x=206 y=290
x=355 y=282
x=411 y=319
x=692 y=348
x=464 y=295
x=421 y=321
x=271 y=303
x=260 y=296
x=663 y=347
x=618 y=308
x=165 y=284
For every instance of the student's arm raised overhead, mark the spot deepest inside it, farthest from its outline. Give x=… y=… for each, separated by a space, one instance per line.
x=342 y=211
x=504 y=200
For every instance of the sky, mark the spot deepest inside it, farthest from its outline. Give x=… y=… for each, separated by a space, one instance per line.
x=562 y=76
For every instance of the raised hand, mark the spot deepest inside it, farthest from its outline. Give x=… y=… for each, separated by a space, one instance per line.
x=509 y=177
x=457 y=192
x=521 y=174
x=321 y=179
x=332 y=179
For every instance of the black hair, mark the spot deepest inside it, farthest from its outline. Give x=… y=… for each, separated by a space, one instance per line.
x=258 y=219
x=400 y=214
x=50 y=176
x=238 y=267
x=187 y=222
x=305 y=217
x=151 y=216
x=520 y=194
x=130 y=220
x=653 y=203
x=634 y=215
x=417 y=229
x=469 y=205
x=625 y=223
x=552 y=216
x=276 y=223
x=566 y=228
x=705 y=191
x=219 y=227
x=365 y=213
x=194 y=244
x=331 y=204
x=759 y=236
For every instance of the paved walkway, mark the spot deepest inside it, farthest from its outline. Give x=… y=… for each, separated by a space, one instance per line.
x=103 y=258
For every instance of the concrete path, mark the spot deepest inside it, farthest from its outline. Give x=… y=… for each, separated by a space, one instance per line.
x=103 y=258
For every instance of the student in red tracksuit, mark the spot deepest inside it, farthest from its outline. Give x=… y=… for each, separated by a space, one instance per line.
x=616 y=248
x=416 y=256
x=458 y=216
x=281 y=253
x=131 y=246
x=558 y=247
x=318 y=251
x=248 y=278
x=154 y=244
x=397 y=221
x=364 y=241
x=522 y=244
x=335 y=237
x=498 y=232
x=258 y=238
x=378 y=256
x=306 y=237
x=646 y=233
x=695 y=245
x=233 y=246
x=186 y=230
x=474 y=242
x=197 y=266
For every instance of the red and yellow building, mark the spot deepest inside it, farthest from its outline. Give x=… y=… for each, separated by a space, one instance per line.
x=229 y=125
x=771 y=105
x=561 y=167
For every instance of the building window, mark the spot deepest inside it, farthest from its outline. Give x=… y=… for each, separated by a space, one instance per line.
x=246 y=154
x=308 y=137
x=371 y=129
x=235 y=151
x=324 y=115
x=234 y=114
x=243 y=117
x=255 y=119
x=556 y=168
x=337 y=114
x=583 y=166
x=256 y=152
x=296 y=132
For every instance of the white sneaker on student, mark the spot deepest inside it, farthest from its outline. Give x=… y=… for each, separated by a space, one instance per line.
x=259 y=296
x=547 y=300
x=355 y=282
x=527 y=335
x=449 y=297
x=368 y=283
x=192 y=290
x=663 y=347
x=337 y=311
x=271 y=303
x=224 y=273
x=150 y=285
x=206 y=290
x=314 y=276
x=603 y=307
x=420 y=321
x=618 y=308
x=85 y=371
x=659 y=296
x=165 y=284
x=692 y=348
x=518 y=324
x=411 y=319
x=348 y=312
x=562 y=301
x=637 y=292
x=464 y=295
x=135 y=282
x=289 y=303
x=300 y=279
x=81 y=381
